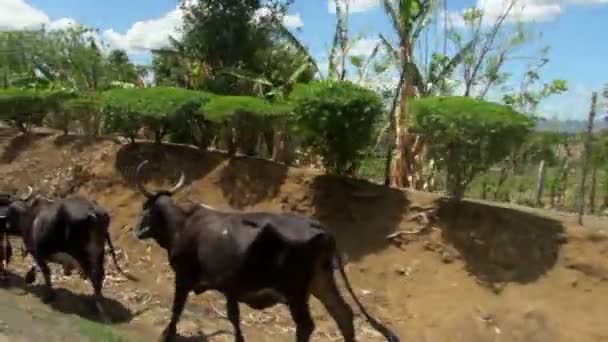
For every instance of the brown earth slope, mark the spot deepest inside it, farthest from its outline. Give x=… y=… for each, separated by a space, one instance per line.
x=478 y=273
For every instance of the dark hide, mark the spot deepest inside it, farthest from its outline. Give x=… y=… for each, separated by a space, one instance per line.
x=6 y=252
x=261 y=259
x=5 y=202
x=70 y=228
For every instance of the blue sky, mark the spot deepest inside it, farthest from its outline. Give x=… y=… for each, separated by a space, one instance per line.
x=574 y=29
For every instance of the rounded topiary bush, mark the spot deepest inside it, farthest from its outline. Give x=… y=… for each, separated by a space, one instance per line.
x=337 y=119
x=466 y=136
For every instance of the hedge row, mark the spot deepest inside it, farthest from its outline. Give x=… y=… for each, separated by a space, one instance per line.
x=336 y=119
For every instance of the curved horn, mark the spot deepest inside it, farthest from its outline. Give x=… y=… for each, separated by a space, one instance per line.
x=29 y=194
x=140 y=186
x=180 y=183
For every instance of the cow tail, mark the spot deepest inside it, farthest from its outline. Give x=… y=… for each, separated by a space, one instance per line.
x=113 y=254
x=388 y=334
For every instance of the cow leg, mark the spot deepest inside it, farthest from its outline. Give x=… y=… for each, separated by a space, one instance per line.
x=49 y=294
x=300 y=314
x=324 y=288
x=97 y=276
x=232 y=308
x=30 y=276
x=182 y=288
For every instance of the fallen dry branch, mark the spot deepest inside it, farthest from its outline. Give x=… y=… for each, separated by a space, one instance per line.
x=424 y=219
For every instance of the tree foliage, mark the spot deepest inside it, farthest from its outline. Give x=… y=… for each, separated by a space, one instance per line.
x=222 y=107
x=23 y=108
x=71 y=58
x=151 y=107
x=467 y=135
x=228 y=34
x=83 y=110
x=337 y=118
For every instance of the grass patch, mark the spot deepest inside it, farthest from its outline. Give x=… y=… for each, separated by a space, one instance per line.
x=96 y=332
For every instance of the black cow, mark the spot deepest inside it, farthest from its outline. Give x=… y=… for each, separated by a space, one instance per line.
x=72 y=226
x=260 y=259
x=5 y=201
x=6 y=250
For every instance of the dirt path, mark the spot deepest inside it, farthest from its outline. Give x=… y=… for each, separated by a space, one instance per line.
x=589 y=221
x=480 y=273
x=23 y=318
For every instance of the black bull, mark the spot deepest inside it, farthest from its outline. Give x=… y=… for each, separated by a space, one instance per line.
x=261 y=259
x=72 y=226
x=6 y=250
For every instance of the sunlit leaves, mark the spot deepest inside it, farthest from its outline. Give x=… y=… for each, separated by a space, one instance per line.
x=466 y=136
x=337 y=119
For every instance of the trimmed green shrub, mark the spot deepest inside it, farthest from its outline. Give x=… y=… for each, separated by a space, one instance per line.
x=23 y=108
x=129 y=109
x=242 y=119
x=337 y=119
x=466 y=136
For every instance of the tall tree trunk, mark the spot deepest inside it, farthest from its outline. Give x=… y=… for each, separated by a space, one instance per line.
x=387 y=165
x=502 y=178
x=229 y=139
x=592 y=190
x=484 y=189
x=280 y=146
x=605 y=200
x=563 y=182
x=553 y=193
x=586 y=158
x=403 y=156
x=268 y=135
x=540 y=183
x=388 y=169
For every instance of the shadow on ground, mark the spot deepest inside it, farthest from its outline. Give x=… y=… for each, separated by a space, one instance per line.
x=165 y=162
x=19 y=144
x=247 y=181
x=360 y=214
x=78 y=142
x=69 y=303
x=501 y=245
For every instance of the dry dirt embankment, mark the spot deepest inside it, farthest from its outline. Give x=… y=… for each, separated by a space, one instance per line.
x=479 y=273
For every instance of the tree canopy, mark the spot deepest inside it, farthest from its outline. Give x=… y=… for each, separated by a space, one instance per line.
x=466 y=136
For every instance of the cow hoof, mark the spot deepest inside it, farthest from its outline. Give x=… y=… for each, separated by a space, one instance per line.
x=49 y=296
x=30 y=277
x=167 y=336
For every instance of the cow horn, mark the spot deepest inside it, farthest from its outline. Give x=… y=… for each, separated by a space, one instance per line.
x=30 y=191
x=140 y=186
x=180 y=183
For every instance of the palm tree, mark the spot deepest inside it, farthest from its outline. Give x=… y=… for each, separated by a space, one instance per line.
x=409 y=18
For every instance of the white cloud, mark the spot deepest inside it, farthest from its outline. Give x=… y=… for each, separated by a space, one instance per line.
x=146 y=34
x=150 y=34
x=293 y=20
x=62 y=24
x=363 y=47
x=354 y=6
x=523 y=10
x=16 y=14
x=289 y=20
